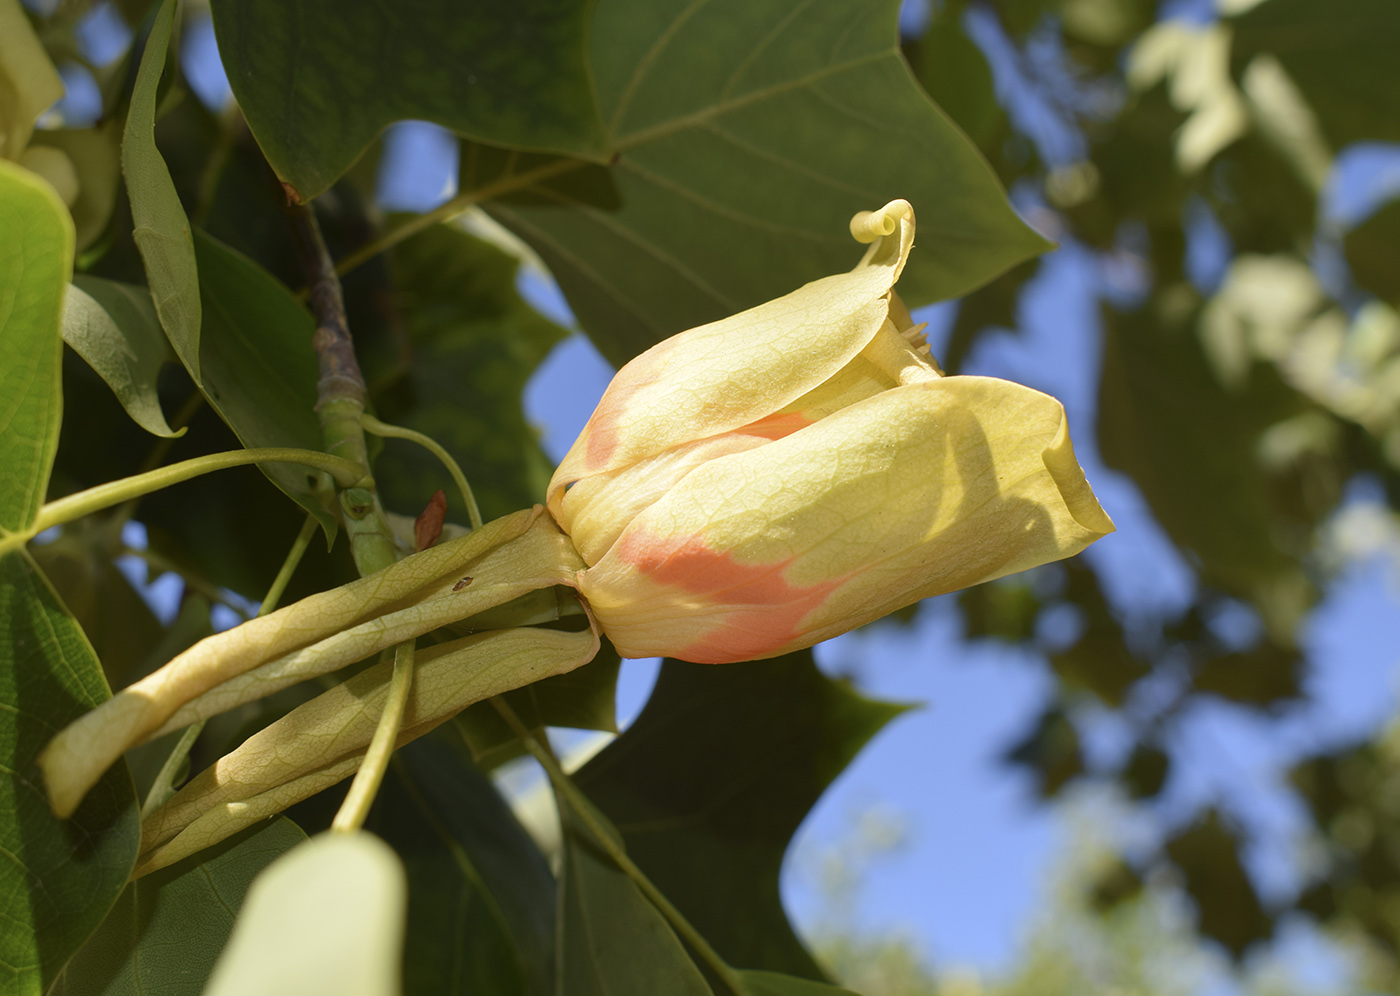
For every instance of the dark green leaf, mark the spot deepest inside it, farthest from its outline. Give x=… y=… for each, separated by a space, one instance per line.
x=475 y=343
x=259 y=367
x=1191 y=444
x=582 y=699
x=1342 y=56
x=1051 y=752
x=776 y=984
x=59 y=877
x=318 y=80
x=955 y=73
x=480 y=897
x=168 y=928
x=612 y=940
x=1227 y=907
x=1373 y=251
x=36 y=257
x=1263 y=675
x=747 y=135
x=114 y=327
x=162 y=230
x=714 y=777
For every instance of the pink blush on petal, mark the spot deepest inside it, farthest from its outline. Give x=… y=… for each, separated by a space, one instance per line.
x=757 y=612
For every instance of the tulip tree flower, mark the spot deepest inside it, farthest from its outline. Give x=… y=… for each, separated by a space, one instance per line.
x=744 y=489
x=758 y=485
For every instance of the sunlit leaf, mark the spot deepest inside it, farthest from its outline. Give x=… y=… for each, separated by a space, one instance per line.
x=712 y=780
x=36 y=257
x=114 y=327
x=59 y=877
x=168 y=928
x=747 y=135
x=318 y=80
x=162 y=231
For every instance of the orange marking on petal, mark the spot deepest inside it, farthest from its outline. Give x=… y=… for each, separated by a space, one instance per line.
x=775 y=426
x=758 y=611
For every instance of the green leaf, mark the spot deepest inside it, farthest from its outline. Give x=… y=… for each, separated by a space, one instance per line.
x=259 y=366
x=113 y=615
x=114 y=327
x=747 y=135
x=168 y=928
x=162 y=231
x=1192 y=445
x=712 y=780
x=96 y=157
x=59 y=877
x=776 y=984
x=582 y=699
x=318 y=80
x=36 y=257
x=1373 y=252
x=1227 y=906
x=612 y=940
x=475 y=343
x=327 y=917
x=481 y=896
x=1342 y=56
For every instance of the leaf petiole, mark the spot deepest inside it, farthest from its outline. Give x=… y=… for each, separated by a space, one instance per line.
x=430 y=444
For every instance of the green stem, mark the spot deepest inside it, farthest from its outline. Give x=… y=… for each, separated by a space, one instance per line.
x=452 y=208
x=581 y=805
x=363 y=789
x=289 y=566
x=75 y=506
x=430 y=444
x=340 y=396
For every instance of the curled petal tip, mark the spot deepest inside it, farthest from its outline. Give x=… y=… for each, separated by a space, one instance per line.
x=867 y=226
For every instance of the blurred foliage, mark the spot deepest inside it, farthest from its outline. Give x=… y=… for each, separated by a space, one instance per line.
x=693 y=175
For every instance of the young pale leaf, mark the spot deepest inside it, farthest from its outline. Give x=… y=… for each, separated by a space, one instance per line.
x=747 y=135
x=114 y=327
x=318 y=80
x=29 y=84
x=325 y=919
x=480 y=895
x=36 y=257
x=712 y=780
x=259 y=370
x=59 y=877
x=612 y=940
x=167 y=929
x=162 y=231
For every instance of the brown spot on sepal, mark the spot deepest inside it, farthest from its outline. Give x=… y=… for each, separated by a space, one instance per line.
x=428 y=526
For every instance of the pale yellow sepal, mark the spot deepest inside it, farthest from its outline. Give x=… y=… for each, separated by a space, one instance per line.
x=321 y=742
x=321 y=633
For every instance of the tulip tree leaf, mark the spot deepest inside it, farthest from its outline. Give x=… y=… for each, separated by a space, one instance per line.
x=476 y=343
x=776 y=984
x=480 y=894
x=1340 y=55
x=746 y=136
x=1228 y=907
x=114 y=327
x=1372 y=249
x=612 y=940
x=36 y=256
x=259 y=367
x=162 y=230
x=168 y=928
x=1191 y=444
x=318 y=80
x=59 y=877
x=712 y=780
